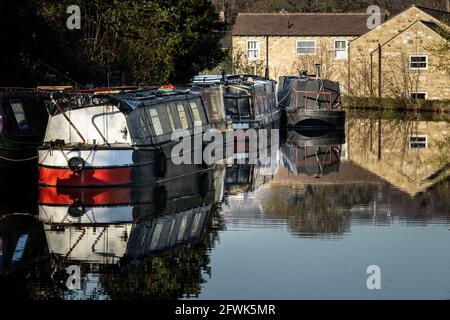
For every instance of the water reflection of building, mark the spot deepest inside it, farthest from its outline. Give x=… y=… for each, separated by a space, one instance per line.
x=409 y=152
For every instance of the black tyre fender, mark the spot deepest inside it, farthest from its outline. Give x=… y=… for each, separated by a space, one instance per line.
x=160 y=164
x=204 y=184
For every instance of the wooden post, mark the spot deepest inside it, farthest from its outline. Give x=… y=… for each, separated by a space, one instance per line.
x=349 y=76
x=371 y=74
x=267 y=58
x=380 y=82
x=379 y=137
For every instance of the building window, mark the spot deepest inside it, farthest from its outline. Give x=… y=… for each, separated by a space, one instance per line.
x=340 y=49
x=418 y=62
x=306 y=47
x=418 y=142
x=419 y=95
x=252 y=49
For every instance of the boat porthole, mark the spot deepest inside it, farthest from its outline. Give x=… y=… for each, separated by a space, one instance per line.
x=76 y=164
x=76 y=210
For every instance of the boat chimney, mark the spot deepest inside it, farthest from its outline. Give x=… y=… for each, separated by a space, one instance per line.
x=318 y=70
x=224 y=76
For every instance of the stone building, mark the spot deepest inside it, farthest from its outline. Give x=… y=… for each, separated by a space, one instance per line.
x=408 y=66
x=288 y=43
x=346 y=48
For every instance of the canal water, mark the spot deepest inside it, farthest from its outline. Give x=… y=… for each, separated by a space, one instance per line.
x=304 y=224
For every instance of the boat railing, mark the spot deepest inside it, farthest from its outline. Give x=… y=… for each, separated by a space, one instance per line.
x=309 y=95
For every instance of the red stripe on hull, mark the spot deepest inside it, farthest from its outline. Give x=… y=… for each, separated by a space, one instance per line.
x=91 y=177
x=88 y=197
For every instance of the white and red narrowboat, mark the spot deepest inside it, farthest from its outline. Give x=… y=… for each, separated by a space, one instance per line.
x=118 y=139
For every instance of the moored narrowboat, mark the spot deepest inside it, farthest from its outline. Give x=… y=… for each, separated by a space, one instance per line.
x=249 y=102
x=119 y=139
x=23 y=120
x=311 y=103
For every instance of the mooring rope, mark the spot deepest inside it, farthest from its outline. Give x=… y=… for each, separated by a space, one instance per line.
x=19 y=160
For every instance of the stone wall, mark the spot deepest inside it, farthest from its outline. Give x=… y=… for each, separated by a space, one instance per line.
x=284 y=59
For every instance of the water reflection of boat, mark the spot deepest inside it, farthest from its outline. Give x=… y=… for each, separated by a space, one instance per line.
x=312 y=103
x=22 y=242
x=98 y=140
x=248 y=176
x=106 y=225
x=313 y=155
x=125 y=204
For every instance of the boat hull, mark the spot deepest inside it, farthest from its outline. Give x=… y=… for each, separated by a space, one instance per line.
x=109 y=167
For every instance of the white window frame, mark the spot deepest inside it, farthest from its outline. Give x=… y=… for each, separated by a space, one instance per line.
x=257 y=49
x=336 y=51
x=305 y=54
x=411 y=136
x=417 y=56
x=420 y=92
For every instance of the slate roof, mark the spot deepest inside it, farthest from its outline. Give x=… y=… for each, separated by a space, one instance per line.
x=301 y=24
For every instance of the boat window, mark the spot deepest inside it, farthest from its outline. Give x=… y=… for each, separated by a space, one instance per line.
x=19 y=114
x=195 y=113
x=244 y=107
x=169 y=115
x=182 y=115
x=231 y=107
x=236 y=107
x=156 y=122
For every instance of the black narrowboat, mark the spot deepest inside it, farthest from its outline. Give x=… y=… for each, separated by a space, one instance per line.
x=23 y=120
x=311 y=103
x=119 y=139
x=249 y=102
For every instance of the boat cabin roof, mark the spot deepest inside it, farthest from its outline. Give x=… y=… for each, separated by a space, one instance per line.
x=246 y=81
x=127 y=101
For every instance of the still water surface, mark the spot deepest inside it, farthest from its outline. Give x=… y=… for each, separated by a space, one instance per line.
x=305 y=224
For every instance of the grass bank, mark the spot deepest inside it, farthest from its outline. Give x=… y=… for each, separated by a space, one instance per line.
x=440 y=106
